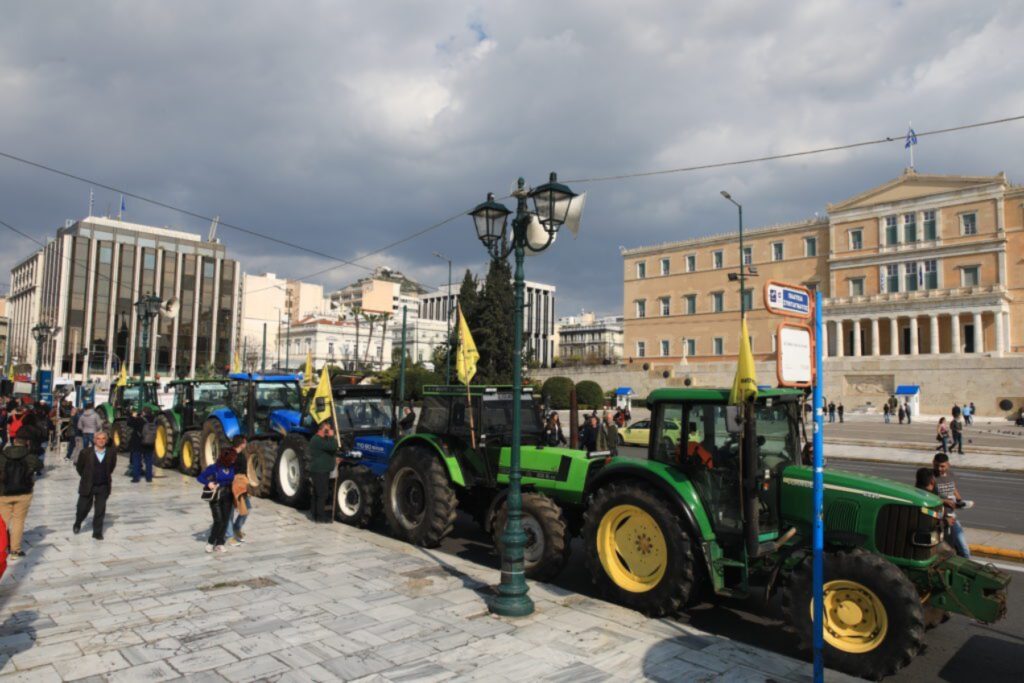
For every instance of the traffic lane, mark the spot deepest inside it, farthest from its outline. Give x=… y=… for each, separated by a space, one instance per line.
x=988 y=435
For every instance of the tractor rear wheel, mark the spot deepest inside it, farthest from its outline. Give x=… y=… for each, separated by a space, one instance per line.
x=636 y=549
x=873 y=620
x=191 y=446
x=213 y=441
x=547 y=536
x=163 y=447
x=358 y=496
x=419 y=501
x=291 y=476
x=262 y=455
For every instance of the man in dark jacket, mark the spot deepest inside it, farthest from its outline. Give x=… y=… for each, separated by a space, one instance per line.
x=18 y=468
x=323 y=458
x=95 y=467
x=136 y=423
x=588 y=442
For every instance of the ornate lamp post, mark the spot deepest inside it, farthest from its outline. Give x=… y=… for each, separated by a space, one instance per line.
x=42 y=332
x=146 y=308
x=551 y=203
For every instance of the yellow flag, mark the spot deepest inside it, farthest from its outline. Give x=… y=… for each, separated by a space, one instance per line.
x=307 y=375
x=122 y=379
x=321 y=405
x=236 y=363
x=744 y=385
x=465 y=360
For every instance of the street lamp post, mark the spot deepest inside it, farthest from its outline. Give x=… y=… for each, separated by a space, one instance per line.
x=448 y=315
x=146 y=308
x=551 y=208
x=42 y=333
x=743 y=266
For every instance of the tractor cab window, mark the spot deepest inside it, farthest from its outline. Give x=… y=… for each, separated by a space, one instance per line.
x=364 y=414
x=132 y=394
x=777 y=434
x=213 y=393
x=668 y=432
x=276 y=396
x=238 y=399
x=710 y=456
x=180 y=396
x=496 y=415
x=434 y=415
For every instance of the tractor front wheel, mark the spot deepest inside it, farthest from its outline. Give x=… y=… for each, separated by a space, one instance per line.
x=547 y=536
x=213 y=441
x=873 y=620
x=191 y=446
x=163 y=447
x=358 y=496
x=636 y=549
x=262 y=455
x=419 y=501
x=291 y=476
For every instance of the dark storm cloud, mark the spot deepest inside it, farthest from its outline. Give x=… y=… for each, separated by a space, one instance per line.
x=344 y=126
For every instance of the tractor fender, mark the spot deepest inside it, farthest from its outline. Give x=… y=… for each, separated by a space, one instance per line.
x=435 y=444
x=108 y=412
x=286 y=421
x=174 y=418
x=228 y=420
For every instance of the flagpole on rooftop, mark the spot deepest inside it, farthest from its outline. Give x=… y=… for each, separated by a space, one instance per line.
x=913 y=141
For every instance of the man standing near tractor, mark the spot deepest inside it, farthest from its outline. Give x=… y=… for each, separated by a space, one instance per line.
x=323 y=458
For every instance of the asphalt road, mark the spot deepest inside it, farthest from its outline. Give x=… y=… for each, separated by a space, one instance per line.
x=999 y=435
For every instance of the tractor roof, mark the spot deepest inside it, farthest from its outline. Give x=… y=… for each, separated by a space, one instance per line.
x=204 y=380
x=460 y=390
x=257 y=377
x=712 y=394
x=356 y=390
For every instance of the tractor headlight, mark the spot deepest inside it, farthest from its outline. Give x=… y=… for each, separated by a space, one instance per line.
x=927 y=539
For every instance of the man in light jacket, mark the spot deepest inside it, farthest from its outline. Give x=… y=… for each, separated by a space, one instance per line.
x=89 y=423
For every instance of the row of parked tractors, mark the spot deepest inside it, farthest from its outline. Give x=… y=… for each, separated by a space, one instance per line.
x=718 y=511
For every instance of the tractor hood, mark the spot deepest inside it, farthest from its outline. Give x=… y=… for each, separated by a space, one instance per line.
x=866 y=485
x=285 y=421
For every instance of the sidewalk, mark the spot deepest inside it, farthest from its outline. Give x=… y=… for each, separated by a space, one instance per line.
x=303 y=602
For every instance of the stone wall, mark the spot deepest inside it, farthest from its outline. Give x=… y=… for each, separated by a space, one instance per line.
x=861 y=384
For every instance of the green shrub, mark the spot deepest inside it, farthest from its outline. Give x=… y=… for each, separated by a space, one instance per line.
x=555 y=392
x=589 y=393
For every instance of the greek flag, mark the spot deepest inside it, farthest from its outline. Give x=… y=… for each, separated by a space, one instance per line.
x=124 y=208
x=911 y=138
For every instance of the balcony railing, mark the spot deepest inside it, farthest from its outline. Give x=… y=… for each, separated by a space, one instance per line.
x=918 y=295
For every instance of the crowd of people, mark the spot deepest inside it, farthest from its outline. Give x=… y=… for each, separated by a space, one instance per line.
x=594 y=433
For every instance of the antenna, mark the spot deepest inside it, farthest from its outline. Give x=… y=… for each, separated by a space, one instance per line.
x=213 y=229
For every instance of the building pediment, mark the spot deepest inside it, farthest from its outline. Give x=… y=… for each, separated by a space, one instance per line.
x=912 y=185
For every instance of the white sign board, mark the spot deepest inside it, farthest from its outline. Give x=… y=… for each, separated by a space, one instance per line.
x=794 y=362
x=783 y=299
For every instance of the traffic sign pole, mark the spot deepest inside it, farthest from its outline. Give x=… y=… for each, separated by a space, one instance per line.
x=818 y=493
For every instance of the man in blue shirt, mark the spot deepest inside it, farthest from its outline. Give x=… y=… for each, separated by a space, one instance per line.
x=95 y=466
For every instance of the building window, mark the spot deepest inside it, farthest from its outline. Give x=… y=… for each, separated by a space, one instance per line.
x=777 y=252
x=892 y=277
x=716 y=259
x=665 y=347
x=717 y=302
x=691 y=263
x=748 y=256
x=912 y=276
x=641 y=270
x=718 y=346
x=909 y=227
x=641 y=349
x=810 y=246
x=691 y=304
x=891 y=231
x=748 y=299
x=969 y=276
x=641 y=308
x=856 y=286
x=930 y=226
x=691 y=347
x=969 y=223
x=856 y=239
x=664 y=301
x=664 y=266
x=931 y=274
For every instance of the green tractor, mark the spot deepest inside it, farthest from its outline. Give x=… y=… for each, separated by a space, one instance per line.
x=459 y=457
x=115 y=412
x=724 y=510
x=179 y=430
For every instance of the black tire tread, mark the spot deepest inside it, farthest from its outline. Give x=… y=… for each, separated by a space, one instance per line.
x=196 y=440
x=442 y=517
x=558 y=543
x=298 y=443
x=369 y=491
x=167 y=461
x=263 y=454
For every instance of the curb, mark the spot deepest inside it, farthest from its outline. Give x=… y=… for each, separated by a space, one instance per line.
x=959 y=466
x=927 y=448
x=1005 y=553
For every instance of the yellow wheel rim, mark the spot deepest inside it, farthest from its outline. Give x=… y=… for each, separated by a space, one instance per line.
x=186 y=455
x=855 y=618
x=632 y=548
x=161 y=441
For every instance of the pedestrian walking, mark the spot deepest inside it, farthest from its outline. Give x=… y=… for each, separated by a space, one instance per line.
x=956 y=412
x=902 y=414
x=241 y=492
x=323 y=459
x=147 y=444
x=942 y=435
x=956 y=433
x=73 y=433
x=553 y=434
x=89 y=424
x=947 y=490
x=19 y=466
x=588 y=439
x=886 y=413
x=972 y=413
x=95 y=466
x=840 y=410
x=408 y=421
x=217 y=480
x=831 y=412
x=906 y=409
x=608 y=436
x=135 y=423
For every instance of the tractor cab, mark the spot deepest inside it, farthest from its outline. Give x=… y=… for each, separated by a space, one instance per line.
x=265 y=404
x=124 y=398
x=195 y=398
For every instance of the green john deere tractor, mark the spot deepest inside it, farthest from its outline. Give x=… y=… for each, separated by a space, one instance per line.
x=447 y=463
x=116 y=411
x=726 y=511
x=179 y=430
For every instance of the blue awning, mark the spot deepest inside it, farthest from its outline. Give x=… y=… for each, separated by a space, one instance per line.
x=624 y=391
x=908 y=389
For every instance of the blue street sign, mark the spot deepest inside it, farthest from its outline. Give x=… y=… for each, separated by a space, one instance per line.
x=46 y=386
x=791 y=300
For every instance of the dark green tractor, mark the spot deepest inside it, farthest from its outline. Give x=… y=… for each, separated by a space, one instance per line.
x=179 y=430
x=723 y=509
x=116 y=411
x=446 y=465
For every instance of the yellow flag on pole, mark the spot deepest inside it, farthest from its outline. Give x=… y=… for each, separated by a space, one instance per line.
x=321 y=406
x=307 y=374
x=467 y=356
x=744 y=385
x=236 y=363
x=122 y=379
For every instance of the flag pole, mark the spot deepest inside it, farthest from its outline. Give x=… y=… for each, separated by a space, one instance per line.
x=910 y=126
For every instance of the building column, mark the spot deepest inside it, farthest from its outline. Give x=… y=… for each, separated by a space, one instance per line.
x=839 y=338
x=894 y=336
x=954 y=332
x=913 y=335
x=933 y=333
x=979 y=334
x=823 y=341
x=876 y=343
x=999 y=333
x=856 y=337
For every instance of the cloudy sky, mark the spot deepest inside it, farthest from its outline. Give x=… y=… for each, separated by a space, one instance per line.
x=344 y=126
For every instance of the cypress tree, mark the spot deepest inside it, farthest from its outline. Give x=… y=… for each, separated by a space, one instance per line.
x=496 y=325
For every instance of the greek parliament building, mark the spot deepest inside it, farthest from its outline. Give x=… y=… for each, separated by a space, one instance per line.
x=87 y=279
x=923 y=285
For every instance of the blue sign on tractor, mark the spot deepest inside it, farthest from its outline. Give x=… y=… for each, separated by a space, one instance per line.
x=791 y=300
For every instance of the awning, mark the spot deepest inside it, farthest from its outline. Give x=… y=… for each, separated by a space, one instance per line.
x=624 y=391
x=908 y=389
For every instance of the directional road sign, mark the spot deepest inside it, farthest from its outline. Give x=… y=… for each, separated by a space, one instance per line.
x=783 y=299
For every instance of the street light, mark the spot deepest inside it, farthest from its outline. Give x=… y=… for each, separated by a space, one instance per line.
x=551 y=207
x=42 y=333
x=743 y=266
x=146 y=308
x=448 y=315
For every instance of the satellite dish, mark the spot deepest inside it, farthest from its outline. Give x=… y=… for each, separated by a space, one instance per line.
x=537 y=237
x=572 y=220
x=169 y=308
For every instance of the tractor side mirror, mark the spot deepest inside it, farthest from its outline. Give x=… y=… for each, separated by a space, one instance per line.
x=733 y=423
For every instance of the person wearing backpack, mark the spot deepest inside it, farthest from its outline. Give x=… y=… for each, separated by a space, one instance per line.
x=142 y=437
x=19 y=465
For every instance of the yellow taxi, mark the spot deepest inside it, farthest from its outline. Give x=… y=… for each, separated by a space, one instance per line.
x=639 y=433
